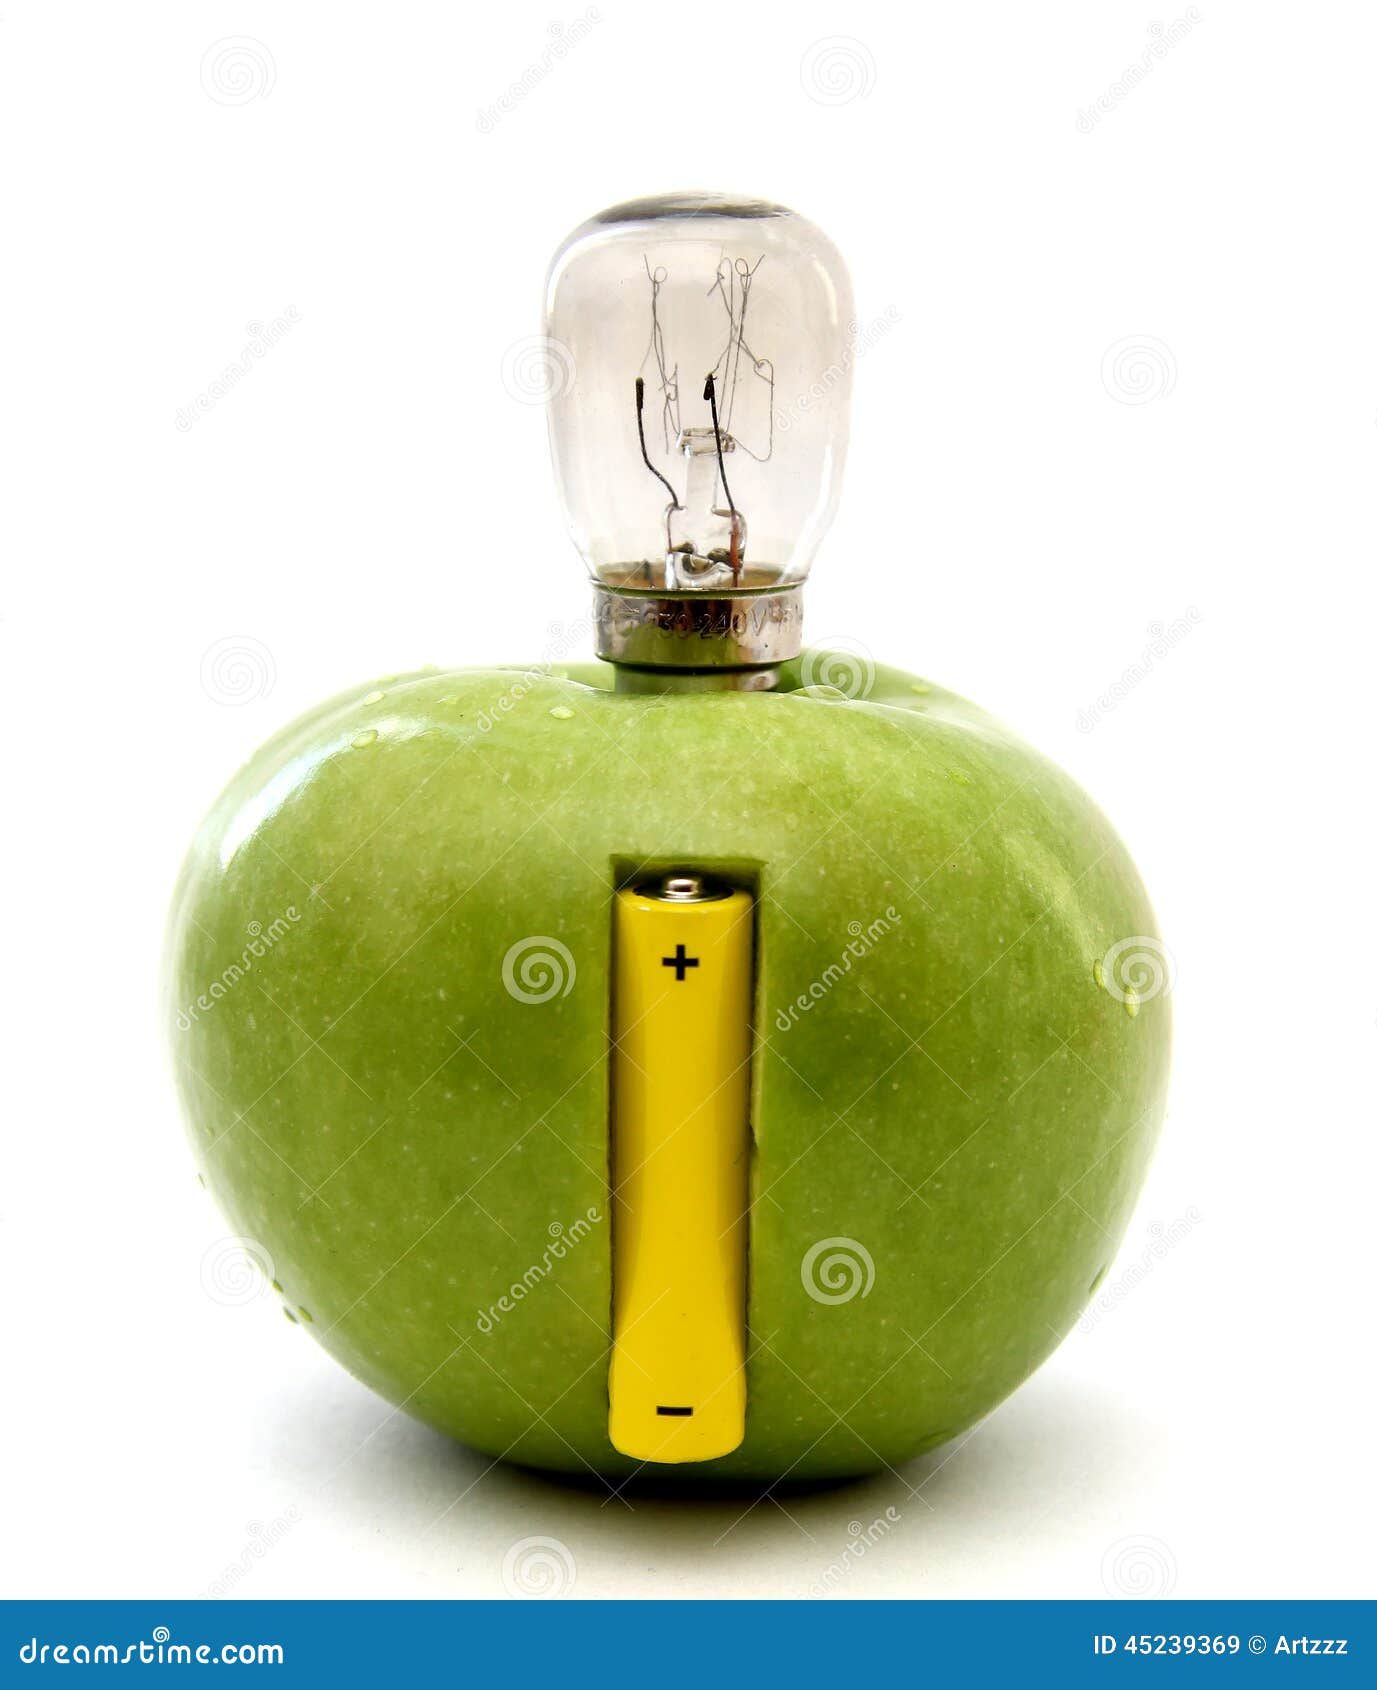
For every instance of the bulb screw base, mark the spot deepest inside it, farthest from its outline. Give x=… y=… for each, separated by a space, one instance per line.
x=704 y=632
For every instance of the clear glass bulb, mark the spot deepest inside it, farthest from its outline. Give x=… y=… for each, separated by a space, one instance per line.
x=699 y=428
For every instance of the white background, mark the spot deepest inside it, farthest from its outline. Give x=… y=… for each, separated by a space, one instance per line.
x=1012 y=525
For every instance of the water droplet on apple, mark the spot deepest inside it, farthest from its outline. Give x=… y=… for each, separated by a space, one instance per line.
x=366 y=738
x=1131 y=1001
x=374 y=697
x=307 y=1316
x=562 y=713
x=1098 y=972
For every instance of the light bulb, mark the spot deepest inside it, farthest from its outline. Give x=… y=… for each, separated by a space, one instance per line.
x=699 y=429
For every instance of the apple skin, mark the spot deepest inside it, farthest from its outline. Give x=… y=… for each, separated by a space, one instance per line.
x=964 y=1099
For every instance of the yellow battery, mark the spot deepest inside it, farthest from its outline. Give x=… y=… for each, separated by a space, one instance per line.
x=681 y=1025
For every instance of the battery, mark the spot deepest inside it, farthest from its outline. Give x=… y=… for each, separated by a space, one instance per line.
x=681 y=1057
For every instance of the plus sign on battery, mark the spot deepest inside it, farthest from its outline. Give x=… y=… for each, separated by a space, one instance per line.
x=680 y=962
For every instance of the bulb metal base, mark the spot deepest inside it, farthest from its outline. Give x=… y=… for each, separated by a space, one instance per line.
x=709 y=633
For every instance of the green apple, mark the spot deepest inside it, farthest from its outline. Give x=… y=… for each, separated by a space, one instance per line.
x=388 y=983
